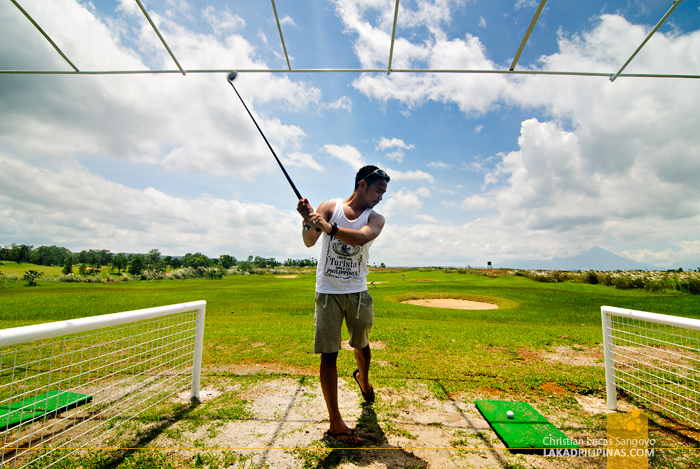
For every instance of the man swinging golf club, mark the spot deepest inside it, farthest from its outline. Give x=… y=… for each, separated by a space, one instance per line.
x=347 y=228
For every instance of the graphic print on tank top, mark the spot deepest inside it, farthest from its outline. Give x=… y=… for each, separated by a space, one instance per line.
x=342 y=260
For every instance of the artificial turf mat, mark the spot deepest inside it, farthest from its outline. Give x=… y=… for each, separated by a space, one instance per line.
x=527 y=430
x=33 y=407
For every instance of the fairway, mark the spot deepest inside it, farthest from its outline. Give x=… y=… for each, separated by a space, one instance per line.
x=542 y=345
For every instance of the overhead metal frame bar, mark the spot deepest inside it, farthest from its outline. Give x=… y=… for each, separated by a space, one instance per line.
x=153 y=25
x=393 y=36
x=351 y=70
x=527 y=34
x=279 y=27
x=36 y=25
x=658 y=25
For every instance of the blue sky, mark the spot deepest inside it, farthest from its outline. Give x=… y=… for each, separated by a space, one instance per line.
x=485 y=167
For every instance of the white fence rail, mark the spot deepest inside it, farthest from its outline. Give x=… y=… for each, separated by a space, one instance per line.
x=65 y=385
x=655 y=358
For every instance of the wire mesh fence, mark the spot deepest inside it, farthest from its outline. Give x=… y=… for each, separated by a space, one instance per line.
x=65 y=386
x=655 y=358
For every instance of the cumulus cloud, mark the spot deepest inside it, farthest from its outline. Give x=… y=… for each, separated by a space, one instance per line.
x=387 y=143
x=77 y=209
x=347 y=154
x=440 y=165
x=191 y=124
x=416 y=175
x=372 y=22
x=302 y=159
x=222 y=20
x=344 y=103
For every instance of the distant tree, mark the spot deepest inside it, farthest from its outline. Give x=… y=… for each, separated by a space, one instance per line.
x=167 y=260
x=261 y=262
x=301 y=262
x=105 y=257
x=382 y=265
x=23 y=251
x=153 y=261
x=175 y=263
x=195 y=260
x=250 y=258
x=137 y=264
x=120 y=262
x=227 y=261
x=245 y=266
x=49 y=255
x=68 y=265
x=82 y=269
x=31 y=276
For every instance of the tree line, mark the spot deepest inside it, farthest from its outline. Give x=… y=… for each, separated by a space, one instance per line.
x=92 y=260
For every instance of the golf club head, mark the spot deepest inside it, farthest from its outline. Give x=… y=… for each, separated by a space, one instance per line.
x=232 y=75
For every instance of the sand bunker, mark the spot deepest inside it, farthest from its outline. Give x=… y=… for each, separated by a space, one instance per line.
x=451 y=303
x=286 y=276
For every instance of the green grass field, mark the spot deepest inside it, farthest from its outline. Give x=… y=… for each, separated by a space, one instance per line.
x=265 y=320
x=475 y=348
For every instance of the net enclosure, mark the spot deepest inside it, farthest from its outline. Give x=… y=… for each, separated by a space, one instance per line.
x=65 y=386
x=655 y=358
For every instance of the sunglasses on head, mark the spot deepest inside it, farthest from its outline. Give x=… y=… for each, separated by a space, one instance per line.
x=379 y=172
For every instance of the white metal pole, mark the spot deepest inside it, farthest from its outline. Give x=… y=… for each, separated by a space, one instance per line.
x=198 y=347
x=610 y=389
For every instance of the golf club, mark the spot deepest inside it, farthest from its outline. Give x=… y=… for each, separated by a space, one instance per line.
x=231 y=77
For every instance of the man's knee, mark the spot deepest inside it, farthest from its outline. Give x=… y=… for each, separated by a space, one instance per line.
x=329 y=358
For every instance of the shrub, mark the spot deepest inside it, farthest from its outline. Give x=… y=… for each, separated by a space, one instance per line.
x=31 y=276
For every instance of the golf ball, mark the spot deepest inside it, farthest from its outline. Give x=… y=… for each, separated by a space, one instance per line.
x=510 y=414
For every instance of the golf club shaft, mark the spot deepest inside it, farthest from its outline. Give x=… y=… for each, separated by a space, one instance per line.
x=268 y=143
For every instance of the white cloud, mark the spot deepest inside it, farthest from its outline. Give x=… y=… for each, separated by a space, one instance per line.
x=222 y=20
x=440 y=165
x=525 y=4
x=482 y=22
x=396 y=156
x=423 y=191
x=478 y=129
x=402 y=202
x=347 y=154
x=372 y=22
x=344 y=103
x=79 y=210
x=287 y=20
x=193 y=124
x=301 y=160
x=386 y=143
x=416 y=175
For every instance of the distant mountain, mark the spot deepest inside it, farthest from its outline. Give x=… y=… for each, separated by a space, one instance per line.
x=594 y=259
x=686 y=265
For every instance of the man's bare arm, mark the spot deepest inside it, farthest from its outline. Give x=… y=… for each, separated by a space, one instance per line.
x=360 y=237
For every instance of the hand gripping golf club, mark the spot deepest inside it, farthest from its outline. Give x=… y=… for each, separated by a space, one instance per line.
x=231 y=77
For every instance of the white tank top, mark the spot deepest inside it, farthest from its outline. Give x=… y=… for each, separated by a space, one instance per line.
x=342 y=267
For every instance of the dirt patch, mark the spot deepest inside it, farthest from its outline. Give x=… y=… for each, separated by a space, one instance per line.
x=576 y=356
x=451 y=303
x=287 y=418
x=376 y=345
x=552 y=389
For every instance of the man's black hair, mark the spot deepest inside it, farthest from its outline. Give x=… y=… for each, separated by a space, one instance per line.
x=365 y=173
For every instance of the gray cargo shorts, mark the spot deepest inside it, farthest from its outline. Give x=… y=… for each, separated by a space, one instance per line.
x=358 y=311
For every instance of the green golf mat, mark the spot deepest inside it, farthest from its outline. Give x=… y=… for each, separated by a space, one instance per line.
x=33 y=407
x=528 y=430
